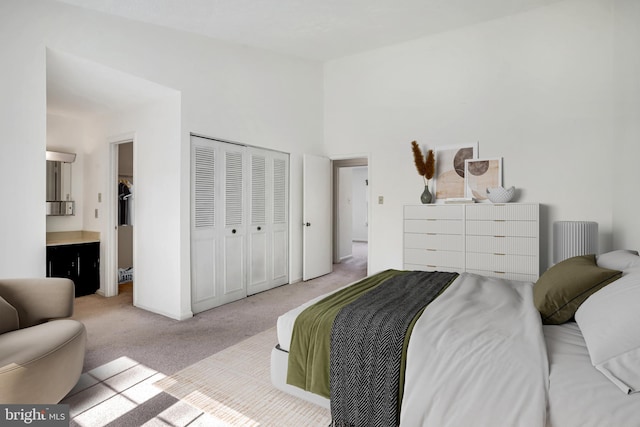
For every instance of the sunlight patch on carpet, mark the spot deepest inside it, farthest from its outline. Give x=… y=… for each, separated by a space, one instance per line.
x=234 y=387
x=111 y=393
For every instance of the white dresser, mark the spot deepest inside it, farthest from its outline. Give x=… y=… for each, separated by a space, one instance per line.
x=500 y=240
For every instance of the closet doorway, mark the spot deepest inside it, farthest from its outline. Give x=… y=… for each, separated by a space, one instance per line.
x=125 y=223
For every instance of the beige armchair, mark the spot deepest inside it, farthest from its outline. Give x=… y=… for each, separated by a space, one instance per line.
x=41 y=354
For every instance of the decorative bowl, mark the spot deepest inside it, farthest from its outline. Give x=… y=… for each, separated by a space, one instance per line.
x=500 y=194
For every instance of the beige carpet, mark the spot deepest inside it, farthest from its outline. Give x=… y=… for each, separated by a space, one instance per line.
x=234 y=387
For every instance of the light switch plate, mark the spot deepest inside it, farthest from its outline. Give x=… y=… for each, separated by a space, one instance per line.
x=380 y=200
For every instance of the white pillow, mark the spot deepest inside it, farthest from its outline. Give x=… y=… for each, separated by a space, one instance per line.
x=609 y=322
x=624 y=260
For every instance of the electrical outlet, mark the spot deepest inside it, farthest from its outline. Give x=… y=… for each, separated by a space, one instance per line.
x=99 y=197
x=96 y=213
x=380 y=200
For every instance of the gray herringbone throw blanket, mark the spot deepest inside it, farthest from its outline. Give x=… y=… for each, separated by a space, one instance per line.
x=367 y=341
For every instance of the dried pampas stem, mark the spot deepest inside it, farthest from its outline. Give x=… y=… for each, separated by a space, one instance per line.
x=418 y=158
x=430 y=165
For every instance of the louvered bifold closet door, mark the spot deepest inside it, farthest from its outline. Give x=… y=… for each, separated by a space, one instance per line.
x=234 y=221
x=217 y=204
x=240 y=221
x=259 y=229
x=268 y=225
x=205 y=283
x=280 y=220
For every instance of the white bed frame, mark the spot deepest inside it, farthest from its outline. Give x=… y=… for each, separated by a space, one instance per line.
x=279 y=362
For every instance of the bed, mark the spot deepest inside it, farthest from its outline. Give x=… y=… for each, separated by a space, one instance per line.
x=485 y=351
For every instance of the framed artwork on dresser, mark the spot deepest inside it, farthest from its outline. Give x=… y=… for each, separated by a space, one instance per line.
x=480 y=174
x=450 y=169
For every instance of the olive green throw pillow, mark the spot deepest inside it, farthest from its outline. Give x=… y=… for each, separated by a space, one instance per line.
x=561 y=289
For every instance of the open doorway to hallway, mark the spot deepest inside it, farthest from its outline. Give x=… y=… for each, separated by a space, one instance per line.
x=351 y=212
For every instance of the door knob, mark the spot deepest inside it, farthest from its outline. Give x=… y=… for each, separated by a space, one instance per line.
x=308 y=224
x=233 y=231
x=259 y=228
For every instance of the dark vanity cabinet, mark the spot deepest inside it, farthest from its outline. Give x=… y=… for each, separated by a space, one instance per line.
x=78 y=262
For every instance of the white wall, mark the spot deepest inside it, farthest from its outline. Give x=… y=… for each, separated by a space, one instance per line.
x=554 y=91
x=626 y=150
x=22 y=145
x=227 y=91
x=156 y=200
x=533 y=88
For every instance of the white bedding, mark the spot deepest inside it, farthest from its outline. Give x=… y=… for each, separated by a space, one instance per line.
x=579 y=394
x=479 y=356
x=476 y=357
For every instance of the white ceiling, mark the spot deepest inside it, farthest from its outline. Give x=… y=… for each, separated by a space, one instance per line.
x=317 y=30
x=312 y=29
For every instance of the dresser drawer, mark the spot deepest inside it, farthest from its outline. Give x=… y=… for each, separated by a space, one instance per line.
x=438 y=226
x=434 y=258
x=503 y=228
x=499 y=240
x=507 y=211
x=499 y=263
x=433 y=212
x=447 y=242
x=502 y=245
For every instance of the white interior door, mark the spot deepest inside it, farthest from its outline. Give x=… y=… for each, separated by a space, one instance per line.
x=316 y=214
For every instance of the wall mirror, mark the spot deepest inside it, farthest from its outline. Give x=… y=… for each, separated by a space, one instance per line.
x=59 y=191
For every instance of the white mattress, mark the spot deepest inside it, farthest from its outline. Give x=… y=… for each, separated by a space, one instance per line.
x=579 y=395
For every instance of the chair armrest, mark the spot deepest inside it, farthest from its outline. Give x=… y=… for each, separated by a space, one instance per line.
x=40 y=299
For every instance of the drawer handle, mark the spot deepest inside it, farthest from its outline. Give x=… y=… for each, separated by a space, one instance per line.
x=500 y=237
x=431 y=219
x=432 y=266
x=432 y=234
x=498 y=254
x=432 y=250
x=500 y=272
x=500 y=220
